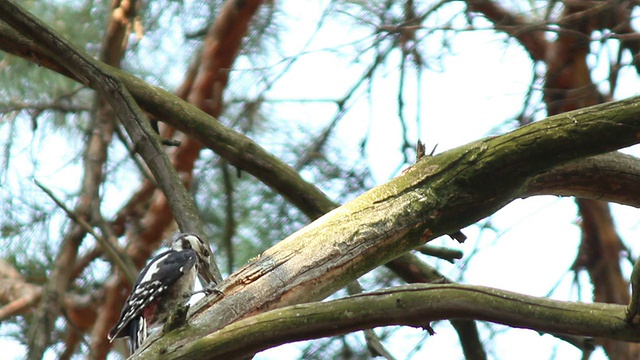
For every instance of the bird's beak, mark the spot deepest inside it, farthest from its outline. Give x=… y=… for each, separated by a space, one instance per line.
x=206 y=275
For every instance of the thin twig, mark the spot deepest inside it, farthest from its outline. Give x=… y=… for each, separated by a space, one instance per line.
x=230 y=221
x=110 y=249
x=441 y=252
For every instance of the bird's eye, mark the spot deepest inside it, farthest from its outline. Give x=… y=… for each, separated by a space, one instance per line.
x=186 y=244
x=205 y=253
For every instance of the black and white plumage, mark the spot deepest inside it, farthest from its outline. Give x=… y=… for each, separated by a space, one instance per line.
x=167 y=281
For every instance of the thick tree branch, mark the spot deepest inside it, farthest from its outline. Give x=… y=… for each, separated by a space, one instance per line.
x=375 y=346
x=413 y=305
x=435 y=196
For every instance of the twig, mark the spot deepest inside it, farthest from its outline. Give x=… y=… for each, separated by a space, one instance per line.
x=109 y=248
x=230 y=221
x=456 y=235
x=440 y=252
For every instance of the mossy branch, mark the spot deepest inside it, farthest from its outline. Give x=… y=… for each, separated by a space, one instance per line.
x=436 y=196
x=414 y=305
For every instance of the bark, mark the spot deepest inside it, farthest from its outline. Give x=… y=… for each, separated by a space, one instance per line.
x=413 y=305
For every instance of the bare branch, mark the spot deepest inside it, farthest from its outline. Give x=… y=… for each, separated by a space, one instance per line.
x=413 y=305
x=375 y=346
x=412 y=270
x=610 y=177
x=116 y=255
x=440 y=252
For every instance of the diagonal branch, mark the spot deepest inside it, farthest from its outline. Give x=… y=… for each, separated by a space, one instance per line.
x=238 y=149
x=114 y=254
x=94 y=74
x=435 y=196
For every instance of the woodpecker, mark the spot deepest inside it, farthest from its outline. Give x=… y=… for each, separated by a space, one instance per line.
x=167 y=281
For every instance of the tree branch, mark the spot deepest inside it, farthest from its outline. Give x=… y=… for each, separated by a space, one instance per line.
x=449 y=255
x=610 y=177
x=412 y=270
x=237 y=148
x=375 y=346
x=413 y=305
x=435 y=196
x=114 y=254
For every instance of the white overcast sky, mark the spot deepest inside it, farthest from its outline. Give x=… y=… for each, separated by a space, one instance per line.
x=479 y=87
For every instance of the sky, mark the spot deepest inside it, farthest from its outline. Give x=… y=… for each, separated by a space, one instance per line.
x=477 y=90
x=468 y=96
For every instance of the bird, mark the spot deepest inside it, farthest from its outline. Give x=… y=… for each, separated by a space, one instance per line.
x=167 y=281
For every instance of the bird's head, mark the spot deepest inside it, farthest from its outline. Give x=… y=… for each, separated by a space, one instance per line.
x=184 y=241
